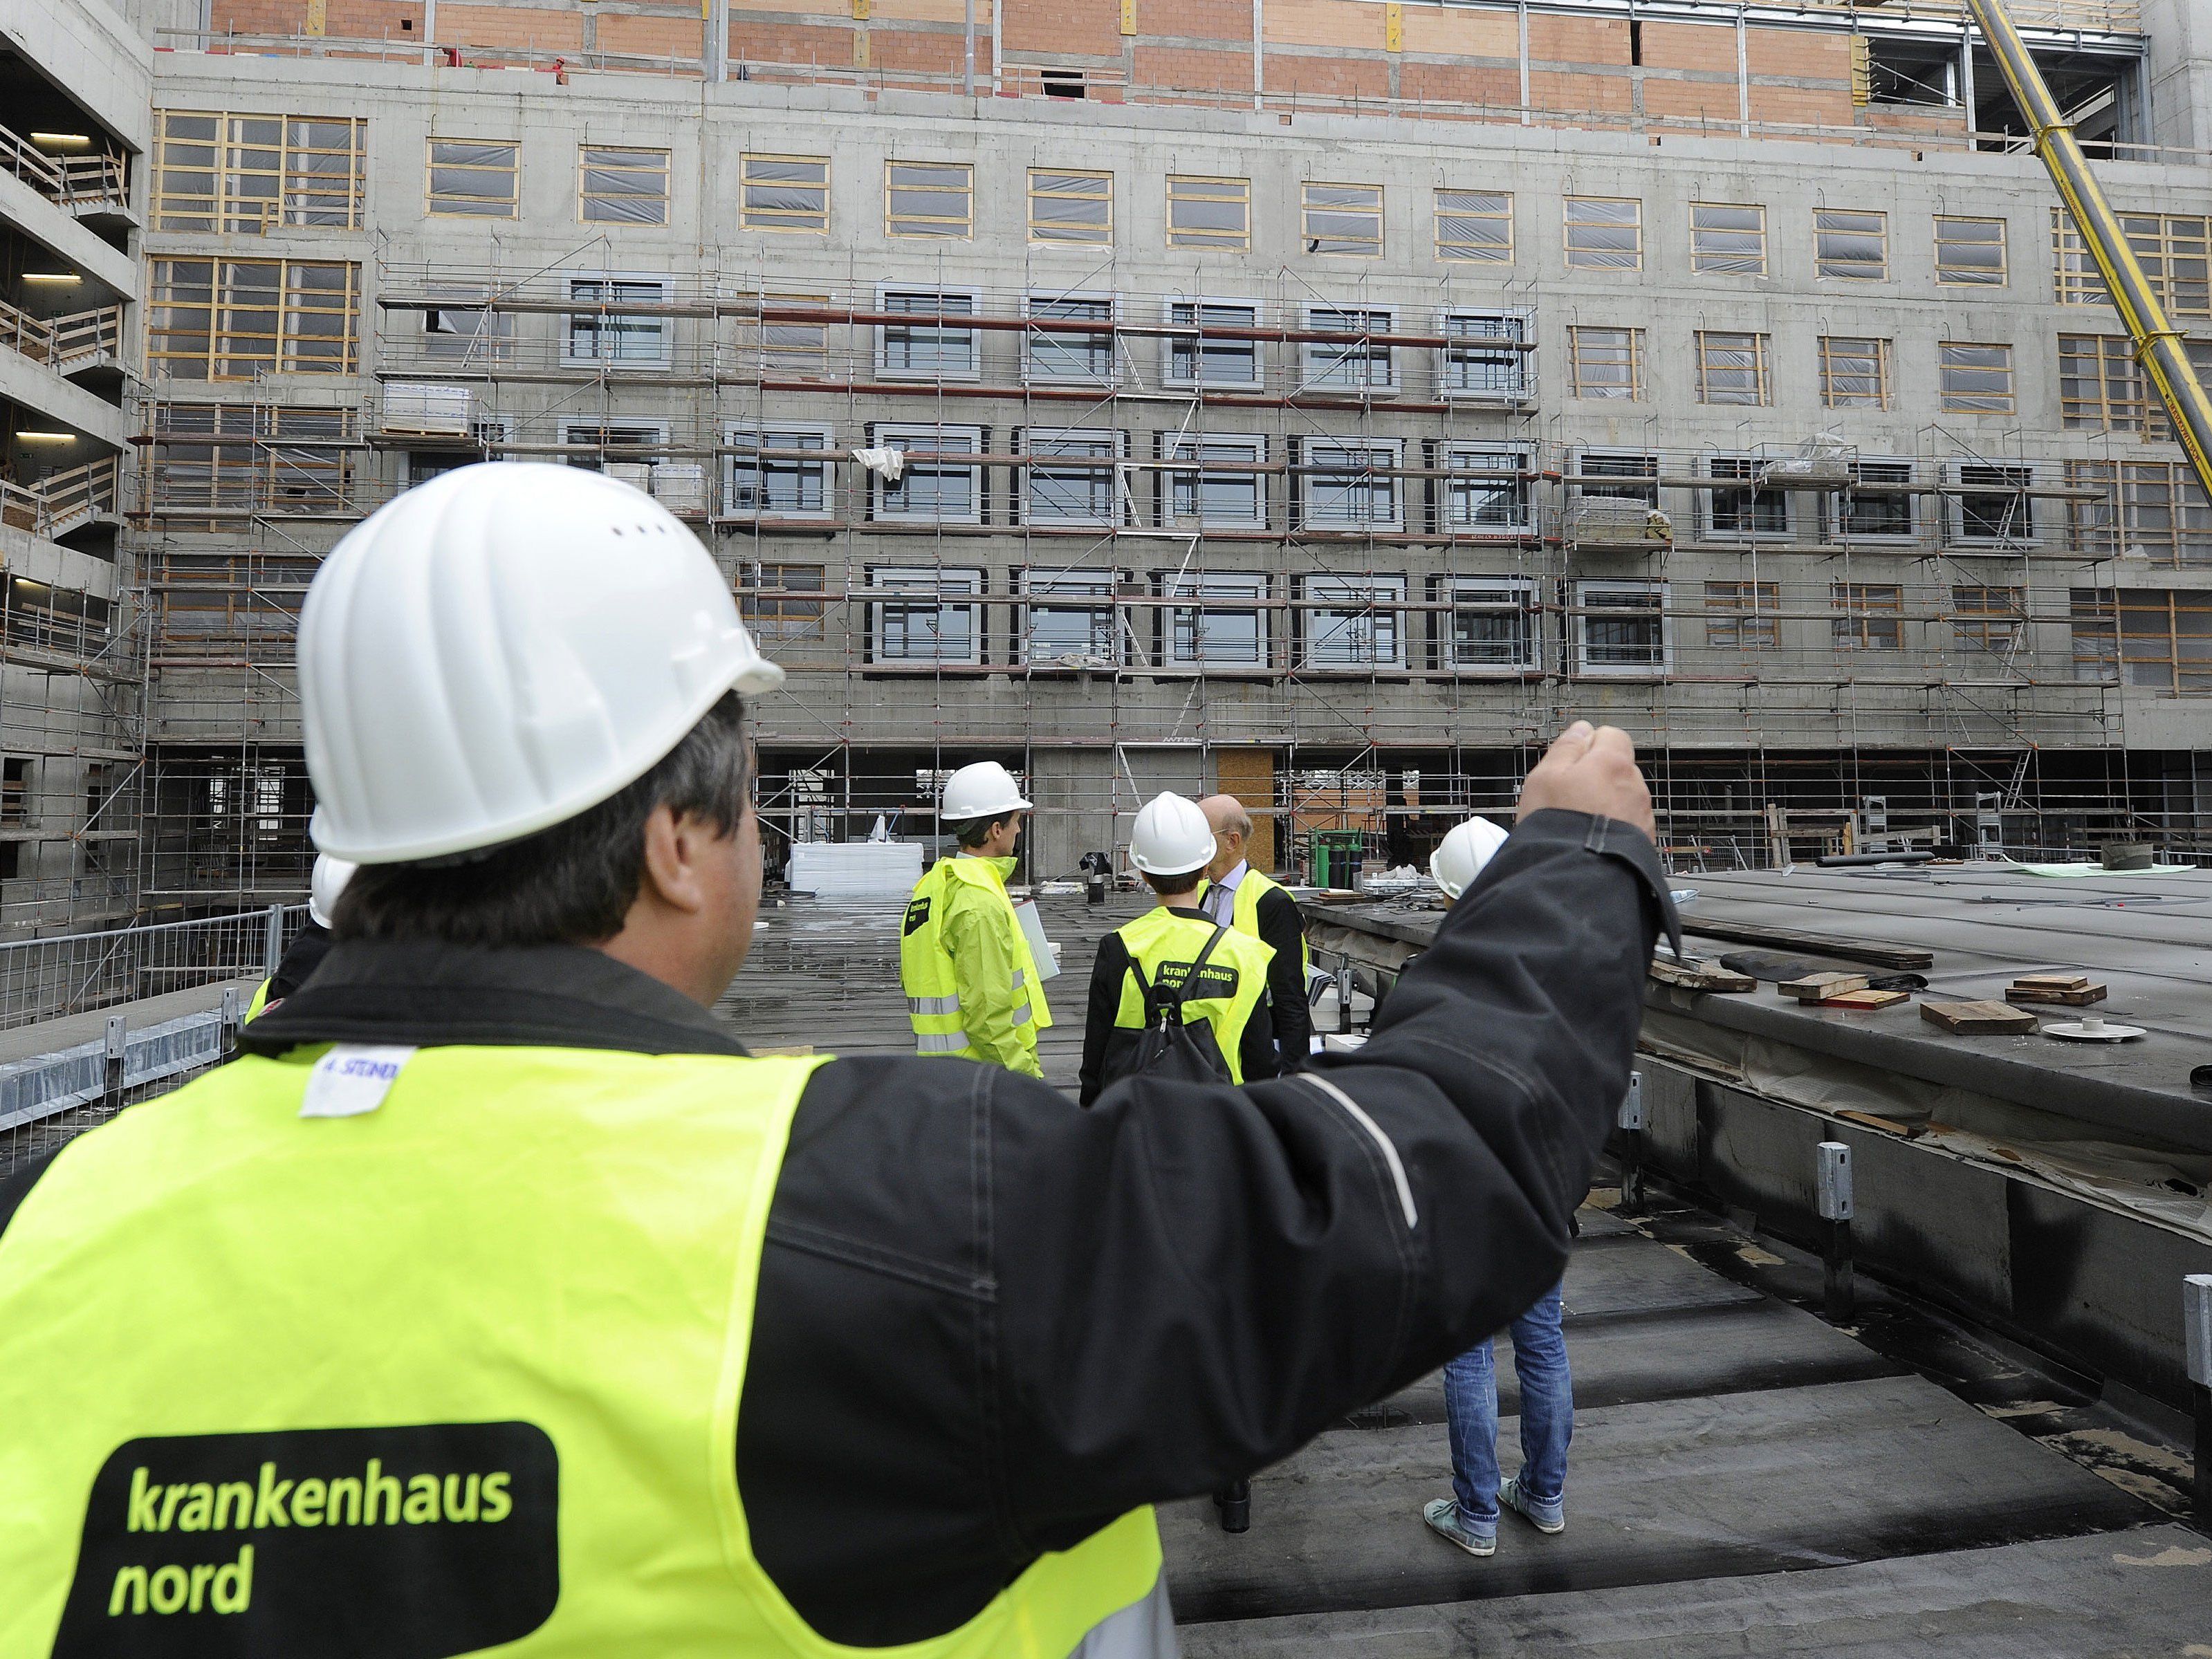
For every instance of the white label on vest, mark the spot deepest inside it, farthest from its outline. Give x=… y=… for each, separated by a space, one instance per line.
x=354 y=1078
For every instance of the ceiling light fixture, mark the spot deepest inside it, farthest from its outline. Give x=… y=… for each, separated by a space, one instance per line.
x=69 y=277
x=62 y=140
x=46 y=437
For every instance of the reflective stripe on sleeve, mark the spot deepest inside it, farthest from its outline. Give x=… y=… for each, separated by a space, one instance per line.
x=1023 y=1015
x=932 y=1005
x=940 y=1042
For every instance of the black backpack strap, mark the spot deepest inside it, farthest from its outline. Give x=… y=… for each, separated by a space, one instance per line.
x=1191 y=978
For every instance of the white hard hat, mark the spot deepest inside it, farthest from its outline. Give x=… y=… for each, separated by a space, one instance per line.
x=984 y=790
x=1172 y=837
x=1459 y=859
x=324 y=887
x=501 y=649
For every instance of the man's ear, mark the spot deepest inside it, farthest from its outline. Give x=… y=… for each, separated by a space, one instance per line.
x=674 y=848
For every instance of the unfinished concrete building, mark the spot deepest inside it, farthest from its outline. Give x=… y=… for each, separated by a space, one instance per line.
x=1321 y=402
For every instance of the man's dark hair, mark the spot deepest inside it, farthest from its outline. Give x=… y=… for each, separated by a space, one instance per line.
x=570 y=885
x=973 y=832
x=1173 y=886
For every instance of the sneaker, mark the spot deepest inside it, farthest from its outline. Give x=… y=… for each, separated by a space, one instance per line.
x=1445 y=1521
x=1548 y=1518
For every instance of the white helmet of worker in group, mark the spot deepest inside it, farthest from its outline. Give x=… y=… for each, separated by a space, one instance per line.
x=1459 y=859
x=501 y=649
x=328 y=880
x=984 y=790
x=1172 y=837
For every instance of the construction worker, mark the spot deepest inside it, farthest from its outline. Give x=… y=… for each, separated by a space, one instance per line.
x=312 y=942
x=1240 y=896
x=496 y=1296
x=1176 y=950
x=972 y=990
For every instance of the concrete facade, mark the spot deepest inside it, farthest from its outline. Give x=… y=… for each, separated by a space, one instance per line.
x=1424 y=574
x=78 y=81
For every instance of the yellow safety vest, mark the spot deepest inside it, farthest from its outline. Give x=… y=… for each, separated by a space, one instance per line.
x=1244 y=911
x=459 y=1370
x=927 y=969
x=260 y=1000
x=1165 y=945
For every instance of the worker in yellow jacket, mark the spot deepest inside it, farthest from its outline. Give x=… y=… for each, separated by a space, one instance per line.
x=972 y=989
x=497 y=1298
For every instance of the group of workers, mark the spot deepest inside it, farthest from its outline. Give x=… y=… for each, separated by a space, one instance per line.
x=495 y=1295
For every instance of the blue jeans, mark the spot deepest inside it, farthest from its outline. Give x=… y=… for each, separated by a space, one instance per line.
x=1548 y=1417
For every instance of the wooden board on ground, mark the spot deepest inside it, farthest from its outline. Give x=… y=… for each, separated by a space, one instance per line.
x=2073 y=998
x=2052 y=981
x=1864 y=1001
x=1813 y=986
x=1821 y=944
x=1696 y=975
x=1976 y=1019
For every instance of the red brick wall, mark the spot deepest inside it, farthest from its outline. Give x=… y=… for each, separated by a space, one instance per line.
x=1191 y=69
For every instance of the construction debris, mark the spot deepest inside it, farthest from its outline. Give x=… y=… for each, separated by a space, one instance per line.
x=1977 y=1019
x=1815 y=987
x=2075 y=990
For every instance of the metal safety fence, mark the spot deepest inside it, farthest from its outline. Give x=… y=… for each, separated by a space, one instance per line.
x=44 y=979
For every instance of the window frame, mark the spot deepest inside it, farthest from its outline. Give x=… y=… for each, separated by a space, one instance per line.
x=1466 y=349
x=1383 y=603
x=1978 y=625
x=1733 y=625
x=291 y=349
x=1109 y=343
x=1953 y=401
x=1104 y=607
x=663 y=327
x=1576 y=386
x=1835 y=526
x=2123 y=401
x=1313 y=209
x=1091 y=478
x=734 y=434
x=919 y=224
x=1308 y=475
x=2015 y=481
x=1167 y=447
x=1569 y=226
x=769 y=222
x=901 y=434
x=1517 y=598
x=1714 y=261
x=1946 y=273
x=653 y=430
x=1836 y=268
x=512 y=201
x=1762 y=379
x=793 y=618
x=1584 y=589
x=1198 y=307
x=1234 y=594
x=2157 y=240
x=1317 y=367
x=885 y=296
x=1456 y=454
x=1829 y=358
x=1238 y=241
x=1858 y=616
x=1037 y=228
x=889 y=577
x=585 y=166
x=1442 y=213
x=298 y=196
x=1755 y=502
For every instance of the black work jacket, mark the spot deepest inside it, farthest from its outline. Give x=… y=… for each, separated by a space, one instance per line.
x=1255 y=1054
x=990 y=1322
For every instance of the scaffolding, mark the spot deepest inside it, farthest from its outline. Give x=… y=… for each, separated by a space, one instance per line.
x=1314 y=547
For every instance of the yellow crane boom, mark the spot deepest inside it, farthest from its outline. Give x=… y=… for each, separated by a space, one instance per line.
x=2158 y=343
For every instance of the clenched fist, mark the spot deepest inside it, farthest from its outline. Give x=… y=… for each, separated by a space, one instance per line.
x=1590 y=770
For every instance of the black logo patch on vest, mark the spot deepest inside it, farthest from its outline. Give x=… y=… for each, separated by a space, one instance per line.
x=1213 y=981
x=917 y=916
x=397 y=1543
